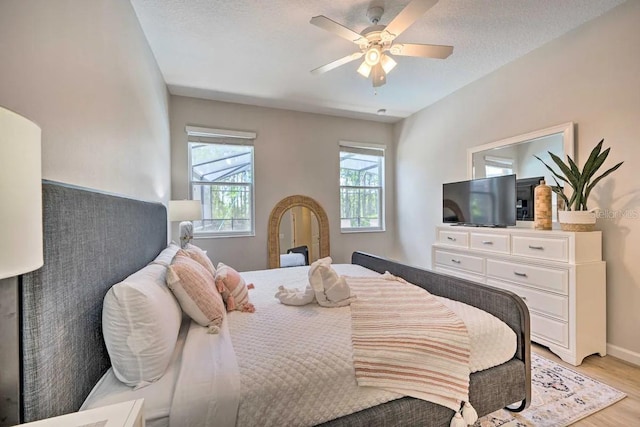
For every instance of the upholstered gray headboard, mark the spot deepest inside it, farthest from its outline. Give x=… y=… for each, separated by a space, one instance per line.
x=92 y=240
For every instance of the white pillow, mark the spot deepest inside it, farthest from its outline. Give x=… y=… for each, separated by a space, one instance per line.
x=291 y=260
x=140 y=323
x=166 y=256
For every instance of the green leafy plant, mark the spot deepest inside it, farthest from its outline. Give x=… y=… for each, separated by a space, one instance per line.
x=581 y=182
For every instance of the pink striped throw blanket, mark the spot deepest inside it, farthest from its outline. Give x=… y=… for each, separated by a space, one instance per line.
x=406 y=341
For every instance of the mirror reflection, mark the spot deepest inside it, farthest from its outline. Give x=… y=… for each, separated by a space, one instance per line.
x=311 y=228
x=516 y=156
x=519 y=159
x=299 y=236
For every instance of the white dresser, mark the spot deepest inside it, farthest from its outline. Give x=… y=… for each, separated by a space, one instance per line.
x=560 y=276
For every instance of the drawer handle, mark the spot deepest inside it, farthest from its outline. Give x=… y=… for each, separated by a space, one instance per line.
x=538 y=248
x=456 y=261
x=487 y=242
x=453 y=239
x=520 y=274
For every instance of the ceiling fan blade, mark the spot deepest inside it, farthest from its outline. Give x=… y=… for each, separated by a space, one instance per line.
x=335 y=64
x=421 y=50
x=408 y=16
x=379 y=77
x=340 y=30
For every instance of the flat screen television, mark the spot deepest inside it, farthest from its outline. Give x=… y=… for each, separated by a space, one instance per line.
x=525 y=198
x=486 y=202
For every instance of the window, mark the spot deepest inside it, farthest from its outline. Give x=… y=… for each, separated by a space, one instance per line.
x=361 y=187
x=497 y=166
x=221 y=177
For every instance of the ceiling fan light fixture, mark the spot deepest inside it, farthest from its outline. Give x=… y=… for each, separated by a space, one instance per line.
x=372 y=57
x=364 y=69
x=376 y=43
x=387 y=63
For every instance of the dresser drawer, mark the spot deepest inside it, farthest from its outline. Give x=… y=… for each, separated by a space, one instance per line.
x=454 y=238
x=461 y=274
x=542 y=302
x=553 y=331
x=551 y=248
x=550 y=279
x=490 y=242
x=464 y=262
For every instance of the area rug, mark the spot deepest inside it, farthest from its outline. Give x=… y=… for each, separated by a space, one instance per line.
x=560 y=396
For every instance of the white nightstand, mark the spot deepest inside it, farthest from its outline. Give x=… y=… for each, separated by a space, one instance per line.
x=126 y=414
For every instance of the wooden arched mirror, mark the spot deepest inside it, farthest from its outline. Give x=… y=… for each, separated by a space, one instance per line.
x=308 y=207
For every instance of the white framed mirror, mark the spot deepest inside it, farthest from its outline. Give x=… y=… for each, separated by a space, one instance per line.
x=515 y=155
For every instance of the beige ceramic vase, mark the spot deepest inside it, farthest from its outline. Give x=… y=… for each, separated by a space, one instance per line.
x=542 y=210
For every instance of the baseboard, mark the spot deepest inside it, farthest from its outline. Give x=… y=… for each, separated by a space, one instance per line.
x=623 y=354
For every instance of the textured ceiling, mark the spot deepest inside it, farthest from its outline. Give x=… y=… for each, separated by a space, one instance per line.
x=260 y=52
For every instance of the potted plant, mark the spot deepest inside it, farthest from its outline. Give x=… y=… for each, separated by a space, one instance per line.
x=577 y=216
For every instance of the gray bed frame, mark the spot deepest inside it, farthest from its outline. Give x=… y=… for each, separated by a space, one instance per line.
x=93 y=240
x=506 y=385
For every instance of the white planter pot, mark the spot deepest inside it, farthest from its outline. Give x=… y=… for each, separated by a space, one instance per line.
x=577 y=220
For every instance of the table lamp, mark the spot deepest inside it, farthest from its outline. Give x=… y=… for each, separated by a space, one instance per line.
x=20 y=242
x=20 y=195
x=185 y=211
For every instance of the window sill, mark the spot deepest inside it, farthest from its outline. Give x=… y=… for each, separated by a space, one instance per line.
x=361 y=230
x=197 y=236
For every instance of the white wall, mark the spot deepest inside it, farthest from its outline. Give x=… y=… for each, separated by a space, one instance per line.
x=590 y=76
x=295 y=153
x=84 y=72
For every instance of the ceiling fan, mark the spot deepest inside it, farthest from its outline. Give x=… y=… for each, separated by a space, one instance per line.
x=376 y=41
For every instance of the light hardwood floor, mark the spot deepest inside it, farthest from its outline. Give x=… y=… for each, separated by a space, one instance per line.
x=616 y=373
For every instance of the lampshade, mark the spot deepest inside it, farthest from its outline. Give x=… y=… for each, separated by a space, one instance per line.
x=372 y=56
x=388 y=63
x=20 y=195
x=364 y=69
x=185 y=210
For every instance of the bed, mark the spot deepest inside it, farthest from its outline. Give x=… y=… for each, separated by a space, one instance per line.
x=93 y=240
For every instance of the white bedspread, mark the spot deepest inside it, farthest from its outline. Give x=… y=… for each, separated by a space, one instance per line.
x=292 y=365
x=296 y=362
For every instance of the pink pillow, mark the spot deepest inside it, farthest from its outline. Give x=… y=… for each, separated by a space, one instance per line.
x=197 y=254
x=196 y=292
x=233 y=288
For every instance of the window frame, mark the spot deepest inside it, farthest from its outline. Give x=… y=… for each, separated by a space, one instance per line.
x=201 y=135
x=374 y=149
